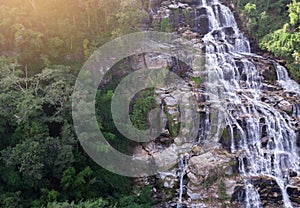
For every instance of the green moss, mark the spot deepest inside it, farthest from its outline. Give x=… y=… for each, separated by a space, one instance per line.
x=172 y=125
x=294 y=70
x=197 y=80
x=173 y=129
x=226 y=136
x=222 y=190
x=141 y=106
x=211 y=116
x=233 y=162
x=165 y=25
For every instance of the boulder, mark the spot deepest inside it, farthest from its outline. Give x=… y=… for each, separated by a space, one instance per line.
x=191 y=2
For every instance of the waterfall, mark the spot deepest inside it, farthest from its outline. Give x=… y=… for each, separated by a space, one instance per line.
x=182 y=166
x=204 y=128
x=227 y=52
x=296 y=111
x=252 y=197
x=285 y=81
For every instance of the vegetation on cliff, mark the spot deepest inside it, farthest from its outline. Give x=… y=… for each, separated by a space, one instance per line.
x=43 y=44
x=276 y=26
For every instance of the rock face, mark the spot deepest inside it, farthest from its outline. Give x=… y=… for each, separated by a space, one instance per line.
x=246 y=153
x=247 y=158
x=206 y=174
x=269 y=191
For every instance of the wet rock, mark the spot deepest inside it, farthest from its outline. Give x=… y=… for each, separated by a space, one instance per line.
x=170 y=101
x=204 y=170
x=264 y=141
x=203 y=27
x=239 y=193
x=208 y=166
x=294 y=193
x=269 y=87
x=173 y=6
x=197 y=150
x=269 y=191
x=137 y=62
x=158 y=61
x=298 y=138
x=225 y=139
x=230 y=186
x=190 y=2
x=269 y=73
x=167 y=158
x=169 y=179
x=285 y=106
x=228 y=31
x=245 y=116
x=189 y=34
x=293 y=189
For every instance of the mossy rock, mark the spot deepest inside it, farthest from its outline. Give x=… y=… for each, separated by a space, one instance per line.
x=197 y=80
x=172 y=122
x=173 y=129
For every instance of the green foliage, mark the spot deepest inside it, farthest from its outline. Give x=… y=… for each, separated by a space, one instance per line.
x=77 y=185
x=43 y=33
x=282 y=43
x=28 y=157
x=41 y=160
x=105 y=121
x=141 y=107
x=124 y=201
x=52 y=195
x=37 y=142
x=257 y=20
x=197 y=80
x=222 y=190
x=172 y=123
x=275 y=24
x=132 y=201
x=129 y=18
x=262 y=17
x=98 y=203
x=145 y=196
x=10 y=199
x=285 y=42
x=294 y=13
x=165 y=25
x=173 y=127
x=43 y=44
x=12 y=178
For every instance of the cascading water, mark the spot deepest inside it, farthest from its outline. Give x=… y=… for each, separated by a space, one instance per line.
x=182 y=166
x=227 y=51
x=285 y=81
x=296 y=111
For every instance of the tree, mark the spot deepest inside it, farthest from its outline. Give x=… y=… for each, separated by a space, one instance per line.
x=285 y=42
x=38 y=141
x=129 y=17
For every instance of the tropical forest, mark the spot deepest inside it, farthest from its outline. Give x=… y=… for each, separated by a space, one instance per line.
x=245 y=147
